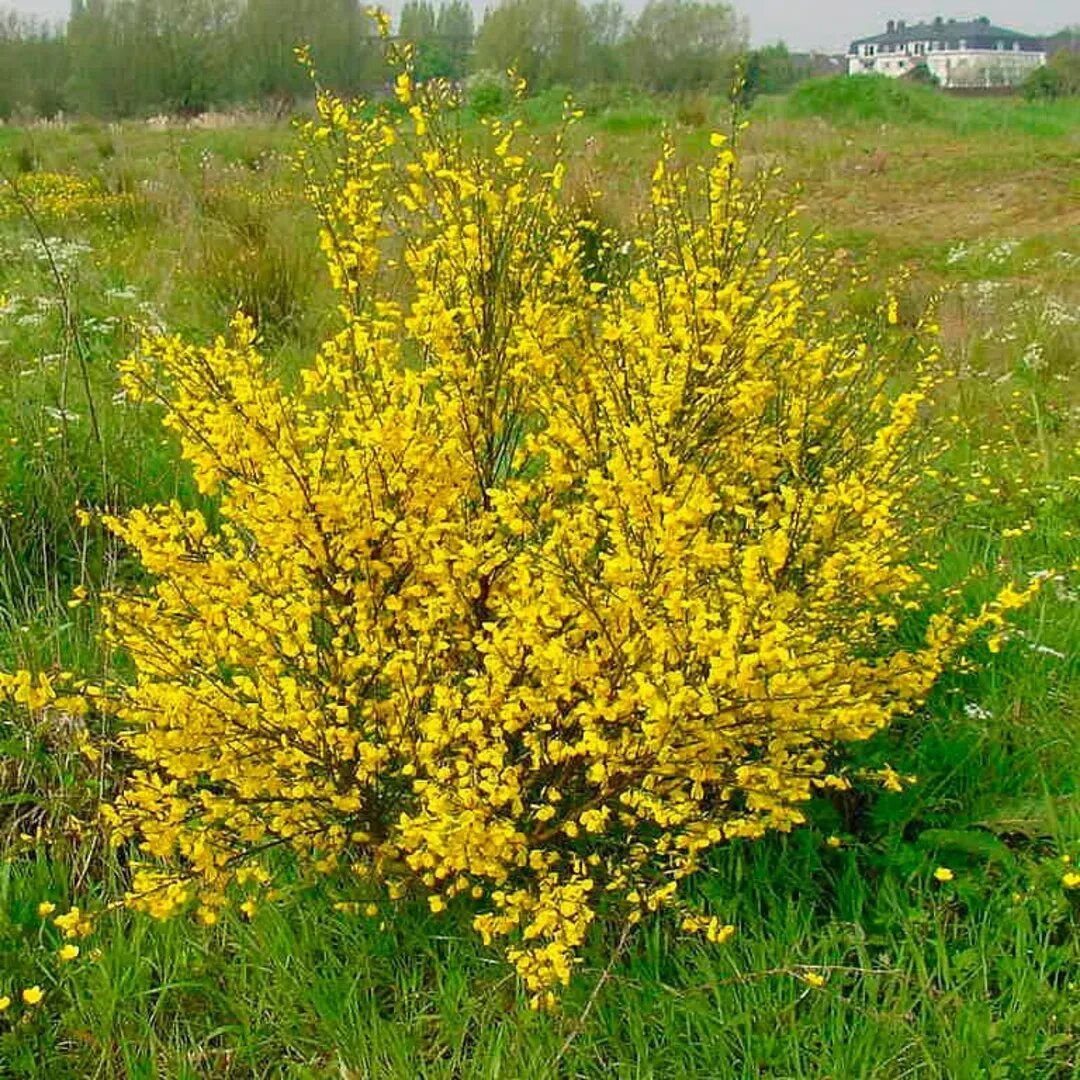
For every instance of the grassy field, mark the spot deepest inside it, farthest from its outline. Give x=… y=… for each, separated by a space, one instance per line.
x=856 y=954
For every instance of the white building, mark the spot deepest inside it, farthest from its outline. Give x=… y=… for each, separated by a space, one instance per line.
x=972 y=53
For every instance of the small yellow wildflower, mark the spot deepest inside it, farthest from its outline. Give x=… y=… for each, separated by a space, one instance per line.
x=73 y=924
x=33 y=995
x=68 y=952
x=891 y=780
x=814 y=979
x=720 y=935
x=437 y=904
x=45 y=909
x=1071 y=880
x=714 y=930
x=943 y=873
x=834 y=842
x=5 y=1003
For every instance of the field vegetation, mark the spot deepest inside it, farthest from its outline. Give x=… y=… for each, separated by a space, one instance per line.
x=922 y=926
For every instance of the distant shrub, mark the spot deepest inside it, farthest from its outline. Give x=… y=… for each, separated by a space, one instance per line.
x=488 y=93
x=847 y=98
x=1059 y=78
x=693 y=110
x=770 y=70
x=1044 y=84
x=548 y=106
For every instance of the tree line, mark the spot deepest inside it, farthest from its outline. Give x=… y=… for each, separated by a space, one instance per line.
x=120 y=58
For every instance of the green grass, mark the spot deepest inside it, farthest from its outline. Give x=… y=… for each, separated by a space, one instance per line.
x=976 y=977
x=844 y=100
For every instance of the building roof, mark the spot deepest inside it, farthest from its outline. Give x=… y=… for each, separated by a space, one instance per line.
x=975 y=33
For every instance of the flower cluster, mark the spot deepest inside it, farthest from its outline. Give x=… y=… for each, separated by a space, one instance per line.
x=57 y=196
x=563 y=562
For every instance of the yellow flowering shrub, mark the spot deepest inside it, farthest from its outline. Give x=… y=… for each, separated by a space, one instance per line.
x=551 y=572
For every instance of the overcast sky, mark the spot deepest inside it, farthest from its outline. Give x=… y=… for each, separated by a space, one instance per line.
x=803 y=24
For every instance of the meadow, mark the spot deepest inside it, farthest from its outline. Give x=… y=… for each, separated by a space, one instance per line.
x=930 y=931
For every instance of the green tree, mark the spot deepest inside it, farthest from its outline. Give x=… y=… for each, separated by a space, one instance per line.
x=545 y=40
x=416 y=25
x=606 y=58
x=680 y=45
x=33 y=67
x=340 y=34
x=417 y=21
x=1058 y=78
x=770 y=70
x=456 y=31
x=443 y=40
x=90 y=47
x=196 y=39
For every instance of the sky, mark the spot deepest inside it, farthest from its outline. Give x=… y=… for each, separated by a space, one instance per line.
x=828 y=25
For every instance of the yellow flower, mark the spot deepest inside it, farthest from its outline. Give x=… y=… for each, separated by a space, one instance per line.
x=68 y=952
x=834 y=842
x=714 y=930
x=45 y=909
x=74 y=924
x=943 y=873
x=5 y=1003
x=1071 y=880
x=815 y=979
x=721 y=935
x=33 y=995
